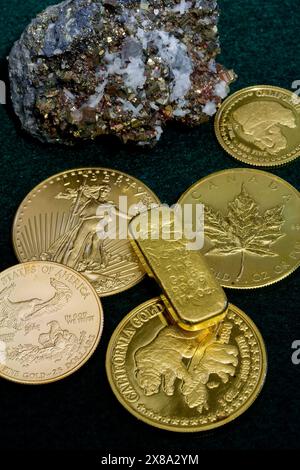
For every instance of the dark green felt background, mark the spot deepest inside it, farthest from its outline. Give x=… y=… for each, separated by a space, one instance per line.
x=260 y=40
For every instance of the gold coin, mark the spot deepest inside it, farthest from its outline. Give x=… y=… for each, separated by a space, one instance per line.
x=185 y=381
x=251 y=226
x=260 y=125
x=51 y=321
x=71 y=218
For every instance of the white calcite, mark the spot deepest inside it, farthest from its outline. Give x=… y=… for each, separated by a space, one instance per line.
x=210 y=108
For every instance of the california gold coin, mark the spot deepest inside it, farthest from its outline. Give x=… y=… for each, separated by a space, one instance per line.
x=80 y=218
x=185 y=381
x=251 y=226
x=260 y=125
x=51 y=321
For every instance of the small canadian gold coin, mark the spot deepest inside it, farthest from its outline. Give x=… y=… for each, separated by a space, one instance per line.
x=80 y=218
x=251 y=226
x=185 y=381
x=260 y=125
x=51 y=321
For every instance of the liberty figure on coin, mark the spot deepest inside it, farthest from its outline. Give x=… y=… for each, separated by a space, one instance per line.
x=82 y=246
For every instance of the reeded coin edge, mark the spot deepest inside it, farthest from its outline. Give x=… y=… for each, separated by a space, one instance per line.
x=207 y=427
x=237 y=170
x=27 y=198
x=281 y=160
x=97 y=340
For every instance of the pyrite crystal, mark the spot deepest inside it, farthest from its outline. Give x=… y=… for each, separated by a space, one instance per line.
x=85 y=68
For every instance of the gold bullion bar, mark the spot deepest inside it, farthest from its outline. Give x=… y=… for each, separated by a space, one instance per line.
x=191 y=293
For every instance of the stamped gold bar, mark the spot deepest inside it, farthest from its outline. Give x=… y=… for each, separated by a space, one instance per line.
x=191 y=294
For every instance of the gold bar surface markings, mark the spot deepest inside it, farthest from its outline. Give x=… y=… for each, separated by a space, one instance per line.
x=191 y=293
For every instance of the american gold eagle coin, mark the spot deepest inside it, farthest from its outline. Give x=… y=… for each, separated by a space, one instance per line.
x=51 y=321
x=80 y=218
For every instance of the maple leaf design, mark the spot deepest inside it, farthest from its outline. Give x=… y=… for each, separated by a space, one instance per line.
x=245 y=229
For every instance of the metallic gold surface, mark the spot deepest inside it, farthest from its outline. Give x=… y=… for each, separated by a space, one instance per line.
x=60 y=220
x=51 y=321
x=260 y=125
x=252 y=226
x=185 y=381
x=191 y=294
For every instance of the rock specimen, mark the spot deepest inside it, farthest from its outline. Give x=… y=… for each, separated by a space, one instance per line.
x=85 y=68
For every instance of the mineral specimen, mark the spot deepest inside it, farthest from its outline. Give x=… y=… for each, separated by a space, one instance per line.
x=84 y=68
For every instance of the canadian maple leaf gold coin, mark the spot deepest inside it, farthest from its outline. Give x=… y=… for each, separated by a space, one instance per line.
x=260 y=125
x=251 y=226
x=185 y=381
x=51 y=321
x=80 y=218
